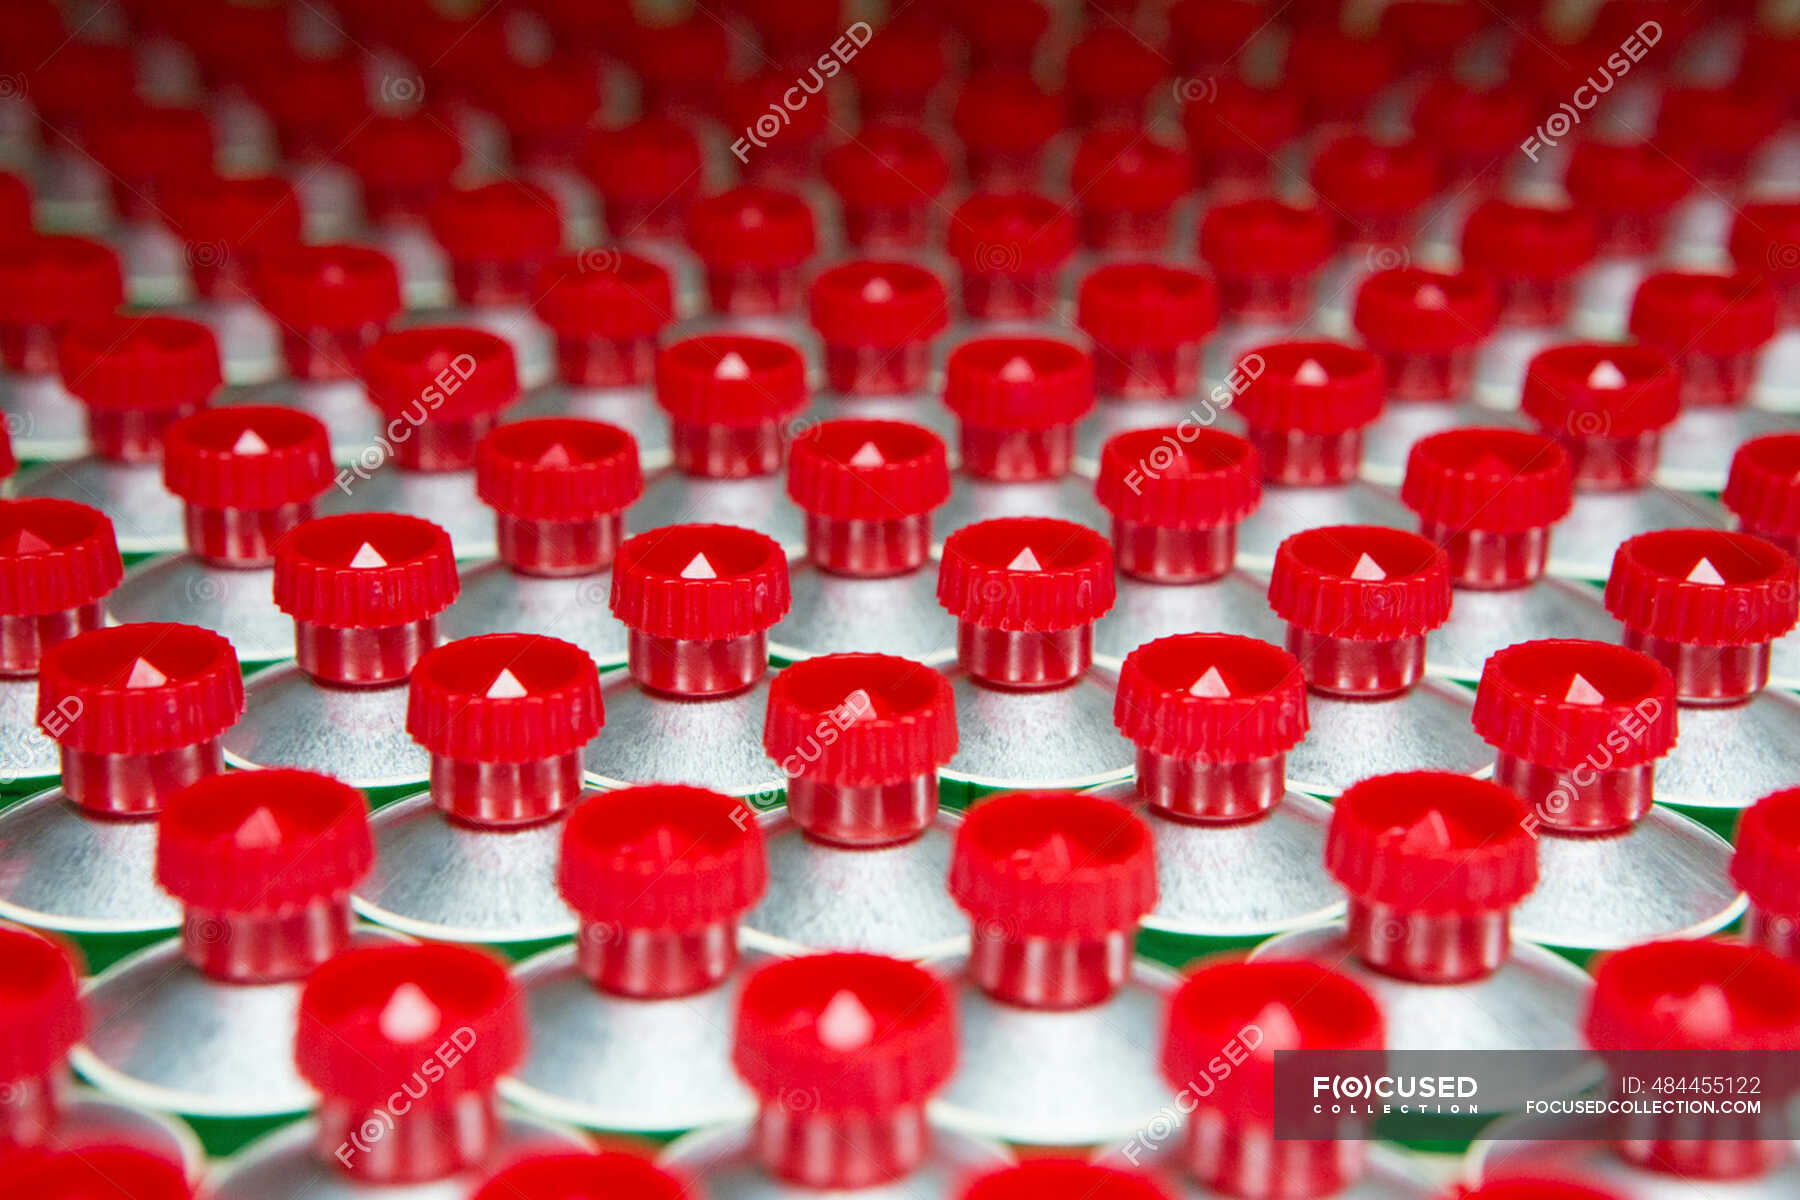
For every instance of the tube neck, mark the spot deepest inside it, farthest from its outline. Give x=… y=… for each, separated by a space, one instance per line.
x=362 y=657
x=839 y=1150
x=1024 y=661
x=868 y=549
x=416 y=1140
x=559 y=548
x=1778 y=933
x=1587 y=799
x=877 y=370
x=603 y=362
x=321 y=355
x=656 y=964
x=240 y=537
x=134 y=785
x=1362 y=670
x=132 y=435
x=1016 y=455
x=23 y=640
x=863 y=816
x=754 y=291
x=437 y=444
x=1708 y=676
x=1191 y=789
x=1429 y=947
x=1160 y=554
x=727 y=451
x=266 y=947
x=1483 y=561
x=503 y=795
x=1032 y=971
x=1235 y=1158
x=1612 y=464
x=697 y=670
x=1294 y=459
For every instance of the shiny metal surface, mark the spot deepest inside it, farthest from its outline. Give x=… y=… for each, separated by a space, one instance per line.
x=1500 y=366
x=1288 y=510
x=1582 y=545
x=237 y=603
x=758 y=503
x=1697 y=448
x=1666 y=877
x=424 y=268
x=1535 y=1001
x=1244 y=879
x=1508 y=1148
x=249 y=339
x=64 y=870
x=1237 y=603
x=632 y=409
x=162 y=1035
x=284 y=1165
x=892 y=900
x=832 y=614
x=446 y=498
x=1388 y=441
x=42 y=418
x=26 y=752
x=1784 y=662
x=1425 y=728
x=88 y=1118
x=714 y=743
x=444 y=881
x=343 y=407
x=609 y=1062
x=722 y=1161
x=1070 y=498
x=1057 y=738
x=1603 y=295
x=1482 y=622
x=1043 y=1078
x=497 y=599
x=146 y=518
x=356 y=734
x=1732 y=757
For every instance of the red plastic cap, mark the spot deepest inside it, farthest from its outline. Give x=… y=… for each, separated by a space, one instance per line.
x=605 y=294
x=892 y=719
x=1026 y=575
x=1242 y=123
x=1537 y=1187
x=1019 y=383
x=414 y=153
x=104 y=1172
x=335 y=286
x=1363 y=582
x=1111 y=65
x=694 y=50
x=55 y=281
x=1557 y=703
x=153 y=142
x=756 y=95
x=1213 y=31
x=645 y=162
x=220 y=216
x=262 y=841
x=1712 y=128
x=1432 y=842
x=253 y=457
x=881 y=304
x=140 y=689
x=902 y=66
x=1508 y=240
x=153 y=364
x=887 y=165
x=364 y=571
x=1179 y=478
x=1296 y=1005
x=1471 y=124
x=453 y=373
x=752 y=227
x=558 y=469
x=1008 y=29
x=504 y=698
x=508 y=221
x=1339 y=74
x=730 y=380
x=545 y=102
x=1062 y=1179
x=1311 y=388
x=615 y=1174
x=700 y=583
x=1374 y=182
x=662 y=857
x=1703 y=586
x=40 y=1005
x=1217 y=697
x=1683 y=313
x=868 y=470
x=9 y=462
x=1054 y=864
x=1410 y=311
x=1767 y=861
x=1005 y=111
x=1596 y=389
x=1763 y=488
x=1625 y=177
x=1765 y=238
x=1694 y=995
x=370 y=1016
x=55 y=555
x=850 y=1032
x=1011 y=233
x=1124 y=170
x=1489 y=480
x=1146 y=304
x=1265 y=238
